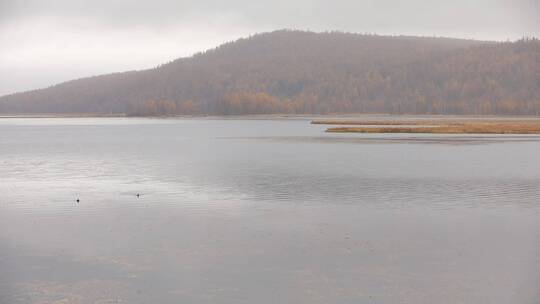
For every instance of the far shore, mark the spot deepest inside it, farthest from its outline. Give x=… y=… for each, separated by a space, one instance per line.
x=62 y=115
x=359 y=123
x=461 y=125
x=322 y=119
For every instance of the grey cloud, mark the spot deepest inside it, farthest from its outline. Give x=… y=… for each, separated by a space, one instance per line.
x=425 y=17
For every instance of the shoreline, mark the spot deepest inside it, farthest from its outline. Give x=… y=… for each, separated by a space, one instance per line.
x=492 y=125
x=318 y=119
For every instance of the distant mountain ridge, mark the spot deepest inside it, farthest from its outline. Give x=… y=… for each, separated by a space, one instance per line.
x=304 y=72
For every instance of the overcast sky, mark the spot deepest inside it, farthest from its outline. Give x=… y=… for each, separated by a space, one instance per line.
x=43 y=42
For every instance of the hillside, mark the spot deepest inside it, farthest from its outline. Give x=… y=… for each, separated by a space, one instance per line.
x=305 y=72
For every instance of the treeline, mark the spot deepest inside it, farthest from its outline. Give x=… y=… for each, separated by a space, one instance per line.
x=314 y=73
x=237 y=103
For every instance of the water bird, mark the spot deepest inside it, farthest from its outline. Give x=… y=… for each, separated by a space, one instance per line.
x=138 y=195
x=78 y=200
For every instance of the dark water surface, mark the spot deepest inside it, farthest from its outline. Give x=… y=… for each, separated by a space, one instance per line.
x=263 y=211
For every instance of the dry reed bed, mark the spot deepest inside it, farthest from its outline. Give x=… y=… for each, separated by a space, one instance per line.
x=442 y=127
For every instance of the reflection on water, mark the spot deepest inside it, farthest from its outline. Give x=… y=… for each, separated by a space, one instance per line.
x=263 y=211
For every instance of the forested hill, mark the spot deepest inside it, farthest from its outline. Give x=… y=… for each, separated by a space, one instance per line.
x=305 y=72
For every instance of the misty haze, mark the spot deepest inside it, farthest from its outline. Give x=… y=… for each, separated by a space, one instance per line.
x=269 y=152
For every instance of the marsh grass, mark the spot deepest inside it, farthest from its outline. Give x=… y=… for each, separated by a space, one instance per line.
x=439 y=126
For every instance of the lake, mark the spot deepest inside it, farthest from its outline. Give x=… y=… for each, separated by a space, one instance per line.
x=263 y=211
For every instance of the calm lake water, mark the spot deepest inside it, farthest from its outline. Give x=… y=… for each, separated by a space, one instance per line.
x=263 y=211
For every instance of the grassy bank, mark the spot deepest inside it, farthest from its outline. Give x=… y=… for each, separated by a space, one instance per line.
x=480 y=126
